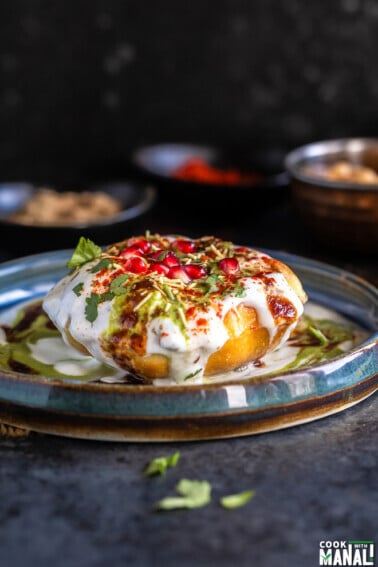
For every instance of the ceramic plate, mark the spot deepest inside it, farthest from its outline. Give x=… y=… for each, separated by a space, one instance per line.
x=149 y=413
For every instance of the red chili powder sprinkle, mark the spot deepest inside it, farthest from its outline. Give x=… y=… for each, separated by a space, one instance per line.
x=196 y=169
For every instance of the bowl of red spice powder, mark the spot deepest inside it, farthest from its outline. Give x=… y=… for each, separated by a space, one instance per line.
x=213 y=171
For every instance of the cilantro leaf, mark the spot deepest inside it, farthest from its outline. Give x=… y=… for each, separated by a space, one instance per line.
x=92 y=303
x=211 y=283
x=192 y=374
x=193 y=494
x=239 y=290
x=104 y=263
x=117 y=285
x=85 y=251
x=237 y=500
x=162 y=256
x=91 y=308
x=160 y=464
x=78 y=289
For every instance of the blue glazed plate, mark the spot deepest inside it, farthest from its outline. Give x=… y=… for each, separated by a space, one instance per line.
x=149 y=413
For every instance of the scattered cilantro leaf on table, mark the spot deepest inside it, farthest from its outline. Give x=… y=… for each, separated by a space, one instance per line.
x=193 y=494
x=160 y=464
x=237 y=500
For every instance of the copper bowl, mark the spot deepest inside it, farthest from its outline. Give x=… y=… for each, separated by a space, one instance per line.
x=338 y=213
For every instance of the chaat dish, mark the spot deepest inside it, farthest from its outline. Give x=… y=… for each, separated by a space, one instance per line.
x=175 y=308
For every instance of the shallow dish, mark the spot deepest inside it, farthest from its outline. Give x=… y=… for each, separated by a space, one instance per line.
x=338 y=213
x=136 y=201
x=160 y=162
x=150 y=413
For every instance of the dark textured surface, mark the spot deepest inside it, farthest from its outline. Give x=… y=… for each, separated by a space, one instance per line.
x=66 y=502
x=83 y=81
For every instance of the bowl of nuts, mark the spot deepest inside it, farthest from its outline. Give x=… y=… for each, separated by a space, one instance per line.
x=36 y=219
x=335 y=191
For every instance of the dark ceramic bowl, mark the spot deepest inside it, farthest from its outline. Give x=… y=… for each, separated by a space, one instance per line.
x=159 y=163
x=26 y=238
x=337 y=213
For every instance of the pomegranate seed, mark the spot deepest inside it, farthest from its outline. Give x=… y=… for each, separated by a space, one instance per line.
x=159 y=268
x=178 y=273
x=184 y=246
x=135 y=265
x=195 y=272
x=171 y=260
x=131 y=251
x=229 y=265
x=142 y=244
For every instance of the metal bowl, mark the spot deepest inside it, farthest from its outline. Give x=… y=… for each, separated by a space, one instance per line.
x=338 y=213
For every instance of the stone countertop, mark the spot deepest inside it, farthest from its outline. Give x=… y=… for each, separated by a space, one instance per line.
x=71 y=502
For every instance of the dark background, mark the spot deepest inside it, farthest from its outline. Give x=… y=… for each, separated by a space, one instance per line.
x=84 y=81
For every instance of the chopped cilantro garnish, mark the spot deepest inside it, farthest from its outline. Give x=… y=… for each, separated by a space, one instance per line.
x=211 y=283
x=92 y=303
x=239 y=290
x=236 y=289
x=193 y=494
x=162 y=256
x=85 y=251
x=117 y=285
x=78 y=289
x=160 y=464
x=192 y=374
x=237 y=500
x=104 y=263
x=91 y=311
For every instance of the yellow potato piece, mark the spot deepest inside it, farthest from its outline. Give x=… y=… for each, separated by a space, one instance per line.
x=250 y=345
x=247 y=341
x=152 y=366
